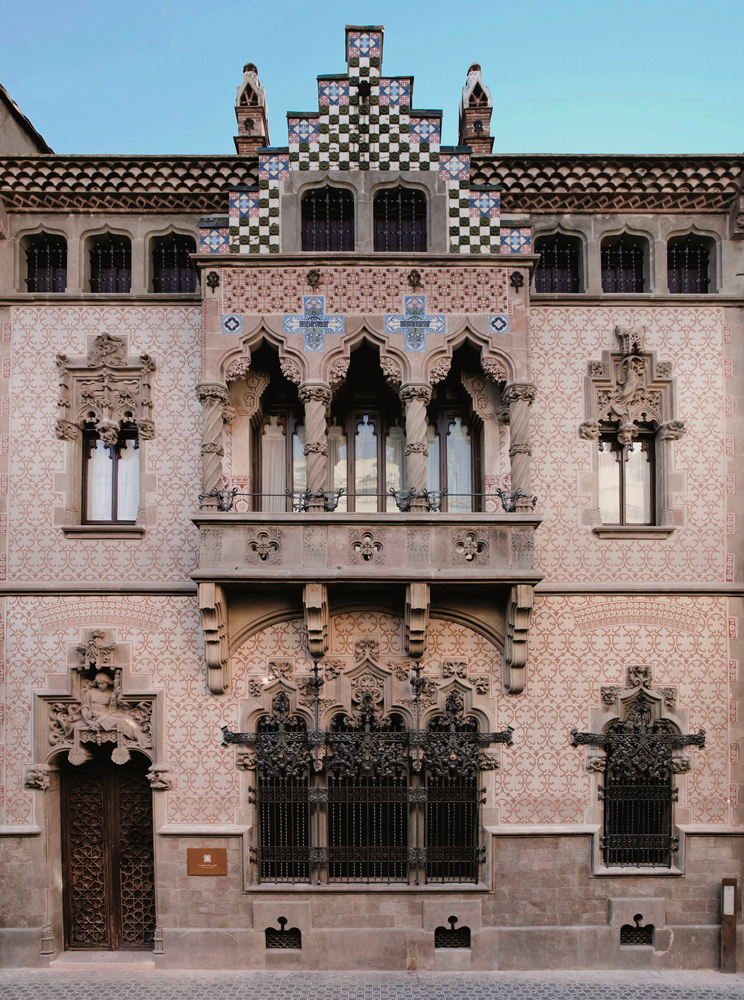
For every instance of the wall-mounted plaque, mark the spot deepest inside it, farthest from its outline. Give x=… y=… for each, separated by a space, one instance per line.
x=207 y=860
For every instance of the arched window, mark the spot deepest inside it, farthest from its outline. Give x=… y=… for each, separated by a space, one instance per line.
x=327 y=220
x=454 y=441
x=46 y=263
x=400 y=221
x=110 y=263
x=688 y=264
x=278 y=433
x=624 y=263
x=172 y=267
x=111 y=478
x=559 y=269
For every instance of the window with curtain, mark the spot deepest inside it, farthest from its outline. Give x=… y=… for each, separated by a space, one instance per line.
x=559 y=267
x=172 y=267
x=327 y=220
x=111 y=479
x=399 y=217
x=110 y=263
x=627 y=480
x=374 y=459
x=688 y=264
x=46 y=263
x=452 y=461
x=623 y=260
x=281 y=458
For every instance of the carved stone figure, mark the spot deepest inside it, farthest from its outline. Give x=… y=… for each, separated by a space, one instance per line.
x=160 y=777
x=36 y=776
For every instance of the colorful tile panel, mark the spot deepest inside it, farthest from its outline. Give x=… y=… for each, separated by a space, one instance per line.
x=395 y=92
x=364 y=43
x=214 y=240
x=516 y=240
x=498 y=323
x=314 y=324
x=414 y=323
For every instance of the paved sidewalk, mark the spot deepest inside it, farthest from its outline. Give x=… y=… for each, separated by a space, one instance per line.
x=35 y=984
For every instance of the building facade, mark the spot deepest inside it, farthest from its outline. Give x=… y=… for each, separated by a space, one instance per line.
x=370 y=577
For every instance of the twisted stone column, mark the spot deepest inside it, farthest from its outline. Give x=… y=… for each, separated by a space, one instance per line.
x=519 y=397
x=316 y=397
x=416 y=397
x=214 y=398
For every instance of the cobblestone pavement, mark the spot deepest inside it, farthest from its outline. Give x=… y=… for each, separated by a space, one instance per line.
x=33 y=984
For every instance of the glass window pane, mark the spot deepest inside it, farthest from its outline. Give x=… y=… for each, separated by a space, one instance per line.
x=273 y=466
x=100 y=485
x=365 y=465
x=609 y=484
x=395 y=463
x=459 y=468
x=337 y=468
x=638 y=485
x=432 y=462
x=299 y=468
x=127 y=481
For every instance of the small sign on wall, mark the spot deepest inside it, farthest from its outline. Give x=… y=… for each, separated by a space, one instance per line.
x=207 y=860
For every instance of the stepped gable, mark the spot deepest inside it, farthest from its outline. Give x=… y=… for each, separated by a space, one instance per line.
x=706 y=183
x=123 y=183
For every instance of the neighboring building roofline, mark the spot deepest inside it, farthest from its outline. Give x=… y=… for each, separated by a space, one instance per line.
x=24 y=122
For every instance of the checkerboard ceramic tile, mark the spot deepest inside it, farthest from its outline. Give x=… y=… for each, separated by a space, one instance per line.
x=394 y=92
x=364 y=44
x=245 y=217
x=516 y=240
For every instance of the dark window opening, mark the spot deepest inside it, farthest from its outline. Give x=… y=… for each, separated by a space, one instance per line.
x=46 y=263
x=688 y=264
x=285 y=937
x=559 y=267
x=111 y=479
x=623 y=263
x=110 y=263
x=452 y=936
x=328 y=220
x=172 y=267
x=627 y=480
x=635 y=934
x=400 y=221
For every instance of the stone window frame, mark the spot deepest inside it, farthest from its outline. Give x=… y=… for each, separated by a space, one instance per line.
x=656 y=389
x=576 y=234
x=105 y=364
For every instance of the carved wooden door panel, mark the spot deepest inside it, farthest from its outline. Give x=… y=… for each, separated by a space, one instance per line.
x=107 y=852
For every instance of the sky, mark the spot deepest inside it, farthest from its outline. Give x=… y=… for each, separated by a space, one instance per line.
x=566 y=76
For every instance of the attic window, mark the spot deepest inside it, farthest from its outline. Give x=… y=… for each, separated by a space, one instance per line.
x=328 y=220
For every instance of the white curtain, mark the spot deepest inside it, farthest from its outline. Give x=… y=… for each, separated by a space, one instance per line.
x=637 y=486
x=127 y=481
x=100 y=485
x=395 y=462
x=609 y=483
x=432 y=462
x=459 y=468
x=299 y=460
x=273 y=466
x=365 y=465
x=337 y=467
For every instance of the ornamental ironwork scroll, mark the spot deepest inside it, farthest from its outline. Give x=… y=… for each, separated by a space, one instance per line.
x=639 y=792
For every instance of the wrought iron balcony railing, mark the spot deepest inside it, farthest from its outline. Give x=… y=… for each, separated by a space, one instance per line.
x=300 y=501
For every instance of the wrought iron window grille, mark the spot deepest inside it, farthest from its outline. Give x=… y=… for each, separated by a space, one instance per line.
x=46 y=263
x=559 y=267
x=634 y=934
x=377 y=785
x=172 y=268
x=328 y=220
x=623 y=263
x=638 y=793
x=688 y=264
x=452 y=936
x=399 y=219
x=284 y=937
x=110 y=264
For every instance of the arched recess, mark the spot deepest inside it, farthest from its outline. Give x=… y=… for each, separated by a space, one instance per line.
x=562 y=265
x=626 y=261
x=693 y=262
x=168 y=266
x=107 y=259
x=31 y=238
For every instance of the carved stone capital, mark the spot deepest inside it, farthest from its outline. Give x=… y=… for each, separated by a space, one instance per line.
x=519 y=392
x=631 y=338
x=589 y=430
x=216 y=391
x=440 y=370
x=519 y=449
x=315 y=392
x=494 y=370
x=417 y=448
x=108 y=431
x=238 y=368
x=415 y=390
x=290 y=370
x=391 y=370
x=316 y=448
x=212 y=448
x=337 y=371
x=146 y=430
x=65 y=430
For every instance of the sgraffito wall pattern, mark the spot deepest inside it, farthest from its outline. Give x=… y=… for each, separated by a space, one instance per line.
x=577 y=644
x=562 y=341
x=38 y=551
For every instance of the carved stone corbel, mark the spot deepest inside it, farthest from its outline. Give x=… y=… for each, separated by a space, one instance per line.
x=518 y=622
x=161 y=777
x=36 y=776
x=315 y=602
x=417 y=618
x=213 y=608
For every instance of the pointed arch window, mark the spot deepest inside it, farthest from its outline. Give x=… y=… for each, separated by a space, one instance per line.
x=627 y=479
x=111 y=478
x=688 y=264
x=46 y=263
x=559 y=268
x=328 y=220
x=399 y=216
x=110 y=263
x=172 y=267
x=624 y=263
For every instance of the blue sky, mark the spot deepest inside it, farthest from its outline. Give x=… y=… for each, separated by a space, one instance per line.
x=592 y=76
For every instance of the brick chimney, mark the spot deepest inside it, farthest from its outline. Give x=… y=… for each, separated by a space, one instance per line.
x=475 y=113
x=251 y=112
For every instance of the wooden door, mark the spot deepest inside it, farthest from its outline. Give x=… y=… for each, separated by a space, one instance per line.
x=107 y=854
